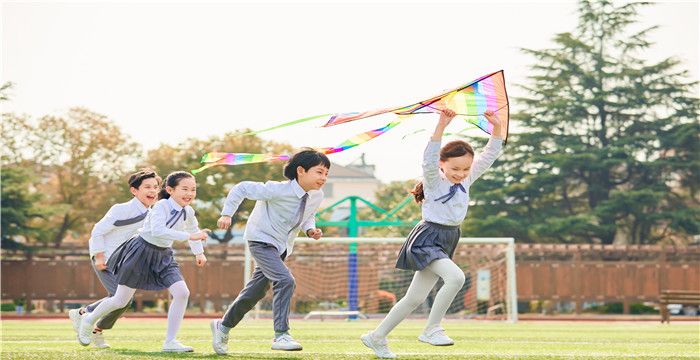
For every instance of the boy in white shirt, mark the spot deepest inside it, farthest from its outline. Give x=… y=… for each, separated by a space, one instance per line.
x=120 y=224
x=281 y=210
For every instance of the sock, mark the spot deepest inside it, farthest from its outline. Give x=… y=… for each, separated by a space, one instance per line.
x=278 y=334
x=224 y=329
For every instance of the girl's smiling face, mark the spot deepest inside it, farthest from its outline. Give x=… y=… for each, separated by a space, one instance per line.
x=184 y=192
x=456 y=169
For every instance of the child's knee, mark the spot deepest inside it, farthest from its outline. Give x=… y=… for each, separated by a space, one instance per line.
x=182 y=293
x=455 y=279
x=121 y=303
x=287 y=282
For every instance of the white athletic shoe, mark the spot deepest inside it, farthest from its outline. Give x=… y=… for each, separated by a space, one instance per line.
x=436 y=337
x=285 y=342
x=176 y=346
x=75 y=317
x=380 y=346
x=219 y=339
x=98 y=341
x=85 y=332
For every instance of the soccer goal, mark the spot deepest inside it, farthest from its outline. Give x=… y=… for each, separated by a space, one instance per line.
x=356 y=277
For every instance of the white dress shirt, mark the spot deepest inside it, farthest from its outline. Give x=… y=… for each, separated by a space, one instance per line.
x=436 y=185
x=276 y=211
x=158 y=230
x=107 y=234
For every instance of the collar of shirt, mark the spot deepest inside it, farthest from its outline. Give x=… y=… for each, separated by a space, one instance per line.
x=173 y=204
x=137 y=204
x=298 y=191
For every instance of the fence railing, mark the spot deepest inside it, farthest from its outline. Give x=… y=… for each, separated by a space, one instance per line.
x=573 y=273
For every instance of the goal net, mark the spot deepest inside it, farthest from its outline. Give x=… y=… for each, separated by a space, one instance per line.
x=356 y=277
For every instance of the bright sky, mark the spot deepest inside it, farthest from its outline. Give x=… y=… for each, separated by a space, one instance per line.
x=168 y=71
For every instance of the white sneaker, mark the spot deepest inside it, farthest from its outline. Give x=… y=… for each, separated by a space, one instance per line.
x=98 y=341
x=436 y=337
x=219 y=339
x=176 y=346
x=285 y=342
x=380 y=346
x=75 y=317
x=85 y=332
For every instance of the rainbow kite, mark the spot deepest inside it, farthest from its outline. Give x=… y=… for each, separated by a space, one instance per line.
x=469 y=101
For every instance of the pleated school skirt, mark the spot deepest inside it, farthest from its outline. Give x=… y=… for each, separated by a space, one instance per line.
x=139 y=264
x=426 y=243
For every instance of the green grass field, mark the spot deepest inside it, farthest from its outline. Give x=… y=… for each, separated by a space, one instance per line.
x=337 y=339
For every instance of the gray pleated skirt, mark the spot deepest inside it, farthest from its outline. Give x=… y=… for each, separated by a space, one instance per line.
x=427 y=242
x=139 y=264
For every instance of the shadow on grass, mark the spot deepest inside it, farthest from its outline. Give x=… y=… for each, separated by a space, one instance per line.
x=195 y=355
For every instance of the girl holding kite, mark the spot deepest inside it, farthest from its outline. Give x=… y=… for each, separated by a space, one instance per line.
x=448 y=172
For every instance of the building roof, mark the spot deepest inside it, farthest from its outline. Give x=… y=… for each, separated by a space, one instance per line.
x=340 y=171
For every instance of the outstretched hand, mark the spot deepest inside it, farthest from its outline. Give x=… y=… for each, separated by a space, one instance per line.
x=224 y=222
x=314 y=233
x=446 y=116
x=492 y=117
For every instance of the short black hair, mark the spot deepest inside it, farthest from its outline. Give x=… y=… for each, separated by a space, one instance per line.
x=138 y=177
x=306 y=158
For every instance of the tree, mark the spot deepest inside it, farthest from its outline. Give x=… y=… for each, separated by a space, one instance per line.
x=610 y=148
x=83 y=157
x=213 y=184
x=18 y=205
x=19 y=196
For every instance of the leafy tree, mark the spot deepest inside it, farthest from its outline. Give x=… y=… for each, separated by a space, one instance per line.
x=83 y=157
x=610 y=148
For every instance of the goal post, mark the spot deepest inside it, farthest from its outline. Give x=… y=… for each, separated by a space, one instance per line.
x=356 y=277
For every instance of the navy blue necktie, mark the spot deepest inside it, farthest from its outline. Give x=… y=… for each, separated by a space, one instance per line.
x=453 y=191
x=300 y=212
x=175 y=216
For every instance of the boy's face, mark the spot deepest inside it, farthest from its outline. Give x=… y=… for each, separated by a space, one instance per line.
x=185 y=191
x=313 y=179
x=147 y=193
x=456 y=169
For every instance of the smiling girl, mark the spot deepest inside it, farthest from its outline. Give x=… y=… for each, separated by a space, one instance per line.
x=448 y=172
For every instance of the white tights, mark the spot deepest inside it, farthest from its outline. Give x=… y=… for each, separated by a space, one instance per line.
x=176 y=313
x=424 y=281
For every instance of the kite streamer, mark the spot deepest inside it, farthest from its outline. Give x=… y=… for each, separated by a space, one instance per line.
x=293 y=122
x=218 y=158
x=360 y=138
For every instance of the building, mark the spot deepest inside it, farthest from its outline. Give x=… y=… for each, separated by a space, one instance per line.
x=356 y=178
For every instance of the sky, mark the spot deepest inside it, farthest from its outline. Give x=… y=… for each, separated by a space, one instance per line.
x=165 y=72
